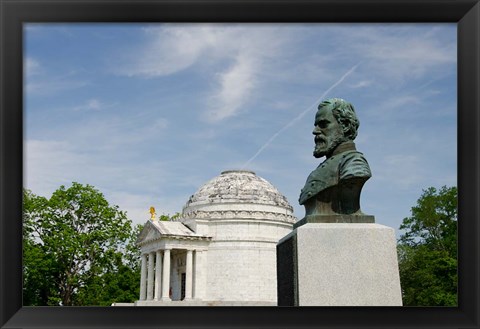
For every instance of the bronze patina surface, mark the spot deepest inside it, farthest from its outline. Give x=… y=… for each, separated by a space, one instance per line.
x=332 y=191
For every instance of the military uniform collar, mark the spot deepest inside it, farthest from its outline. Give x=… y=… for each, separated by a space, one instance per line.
x=344 y=147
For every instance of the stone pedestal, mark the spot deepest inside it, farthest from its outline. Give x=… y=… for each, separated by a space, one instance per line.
x=338 y=264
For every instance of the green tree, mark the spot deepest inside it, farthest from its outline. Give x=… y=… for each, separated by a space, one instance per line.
x=119 y=282
x=427 y=250
x=75 y=245
x=38 y=268
x=167 y=217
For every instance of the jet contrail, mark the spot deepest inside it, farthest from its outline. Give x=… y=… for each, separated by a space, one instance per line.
x=300 y=115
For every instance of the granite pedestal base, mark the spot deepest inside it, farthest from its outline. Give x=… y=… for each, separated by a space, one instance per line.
x=335 y=219
x=338 y=264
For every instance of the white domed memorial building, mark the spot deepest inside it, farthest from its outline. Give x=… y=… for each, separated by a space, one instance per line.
x=222 y=248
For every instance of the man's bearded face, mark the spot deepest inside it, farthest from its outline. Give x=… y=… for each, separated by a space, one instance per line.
x=328 y=133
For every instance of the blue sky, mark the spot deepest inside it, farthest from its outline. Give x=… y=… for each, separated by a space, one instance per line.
x=147 y=113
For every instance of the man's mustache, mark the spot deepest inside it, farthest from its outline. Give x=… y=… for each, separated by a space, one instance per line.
x=320 y=139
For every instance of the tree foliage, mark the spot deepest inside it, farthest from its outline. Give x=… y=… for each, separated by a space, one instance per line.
x=78 y=249
x=167 y=217
x=427 y=250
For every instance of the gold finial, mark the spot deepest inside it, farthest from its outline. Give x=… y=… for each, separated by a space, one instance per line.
x=152 y=213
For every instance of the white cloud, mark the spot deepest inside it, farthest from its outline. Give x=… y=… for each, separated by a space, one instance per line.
x=131 y=203
x=49 y=164
x=46 y=29
x=92 y=105
x=400 y=53
x=103 y=127
x=171 y=48
x=40 y=80
x=174 y=48
x=400 y=170
x=236 y=86
x=32 y=27
x=395 y=106
x=361 y=84
x=42 y=84
x=138 y=205
x=31 y=66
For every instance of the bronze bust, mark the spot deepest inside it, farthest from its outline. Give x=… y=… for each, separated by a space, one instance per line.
x=332 y=191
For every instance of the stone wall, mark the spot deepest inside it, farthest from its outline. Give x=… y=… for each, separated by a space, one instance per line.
x=241 y=273
x=242 y=259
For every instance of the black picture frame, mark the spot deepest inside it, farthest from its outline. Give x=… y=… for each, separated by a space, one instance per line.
x=466 y=13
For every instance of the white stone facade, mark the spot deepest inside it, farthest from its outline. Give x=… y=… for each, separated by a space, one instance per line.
x=222 y=249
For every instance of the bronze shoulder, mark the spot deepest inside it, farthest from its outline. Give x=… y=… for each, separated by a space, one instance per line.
x=353 y=165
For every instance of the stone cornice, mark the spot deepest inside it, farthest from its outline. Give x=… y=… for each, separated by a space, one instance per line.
x=175 y=237
x=238 y=214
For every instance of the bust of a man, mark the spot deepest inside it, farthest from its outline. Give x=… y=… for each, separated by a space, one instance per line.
x=332 y=191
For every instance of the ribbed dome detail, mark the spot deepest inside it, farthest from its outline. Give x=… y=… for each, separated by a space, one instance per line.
x=238 y=186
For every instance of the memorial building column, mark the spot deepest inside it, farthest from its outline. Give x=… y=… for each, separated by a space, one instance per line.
x=143 y=278
x=150 y=276
x=199 y=288
x=166 y=275
x=189 y=275
x=158 y=275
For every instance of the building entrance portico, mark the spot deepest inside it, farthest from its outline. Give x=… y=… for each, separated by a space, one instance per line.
x=170 y=252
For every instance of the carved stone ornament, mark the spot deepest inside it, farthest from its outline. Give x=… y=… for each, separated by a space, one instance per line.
x=240 y=214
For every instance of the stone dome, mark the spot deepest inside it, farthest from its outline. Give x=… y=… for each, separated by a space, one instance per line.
x=238 y=187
